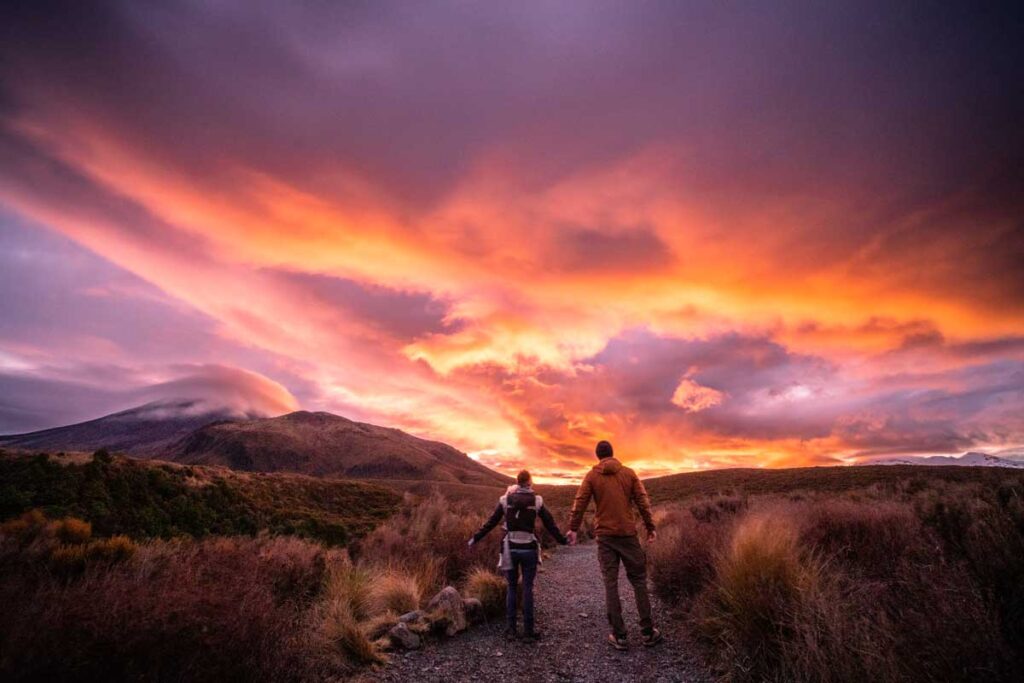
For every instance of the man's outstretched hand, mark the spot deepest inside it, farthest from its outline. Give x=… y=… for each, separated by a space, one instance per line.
x=572 y=537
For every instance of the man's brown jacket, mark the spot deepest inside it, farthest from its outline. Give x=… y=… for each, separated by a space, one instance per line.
x=615 y=488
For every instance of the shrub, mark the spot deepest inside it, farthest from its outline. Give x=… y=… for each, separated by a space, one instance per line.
x=489 y=588
x=760 y=580
x=172 y=610
x=339 y=628
x=868 y=538
x=26 y=528
x=427 y=539
x=915 y=582
x=147 y=500
x=349 y=585
x=67 y=559
x=393 y=591
x=72 y=530
x=113 y=549
x=682 y=560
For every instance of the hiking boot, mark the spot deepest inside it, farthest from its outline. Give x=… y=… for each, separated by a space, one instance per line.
x=653 y=638
x=510 y=633
x=532 y=636
x=618 y=642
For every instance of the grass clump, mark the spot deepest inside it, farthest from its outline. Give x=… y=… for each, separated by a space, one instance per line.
x=393 y=590
x=488 y=588
x=427 y=539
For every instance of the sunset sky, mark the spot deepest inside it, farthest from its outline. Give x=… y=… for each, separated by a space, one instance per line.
x=717 y=234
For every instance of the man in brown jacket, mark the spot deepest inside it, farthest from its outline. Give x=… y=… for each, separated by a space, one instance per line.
x=615 y=488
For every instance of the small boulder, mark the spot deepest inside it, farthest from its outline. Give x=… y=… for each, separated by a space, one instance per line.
x=448 y=605
x=410 y=617
x=402 y=637
x=474 y=610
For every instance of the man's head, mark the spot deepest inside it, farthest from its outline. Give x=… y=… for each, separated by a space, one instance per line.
x=523 y=478
x=604 y=450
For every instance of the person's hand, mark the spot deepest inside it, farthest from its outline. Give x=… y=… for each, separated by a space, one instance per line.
x=652 y=535
x=572 y=537
x=471 y=542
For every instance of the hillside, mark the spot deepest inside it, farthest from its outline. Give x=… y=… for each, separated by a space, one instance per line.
x=820 y=479
x=145 y=431
x=752 y=481
x=323 y=444
x=145 y=499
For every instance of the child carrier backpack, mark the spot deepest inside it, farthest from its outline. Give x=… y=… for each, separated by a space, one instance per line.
x=520 y=517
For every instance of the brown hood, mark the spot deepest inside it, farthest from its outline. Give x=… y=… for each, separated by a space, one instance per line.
x=608 y=466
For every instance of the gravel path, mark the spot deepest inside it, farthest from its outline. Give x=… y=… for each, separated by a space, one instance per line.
x=571 y=616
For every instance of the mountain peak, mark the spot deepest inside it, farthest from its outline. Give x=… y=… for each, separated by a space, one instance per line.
x=315 y=443
x=329 y=445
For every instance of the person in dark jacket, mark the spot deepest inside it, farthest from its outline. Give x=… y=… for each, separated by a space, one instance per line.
x=520 y=507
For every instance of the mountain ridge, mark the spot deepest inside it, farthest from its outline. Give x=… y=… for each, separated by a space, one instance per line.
x=318 y=444
x=143 y=431
x=324 y=444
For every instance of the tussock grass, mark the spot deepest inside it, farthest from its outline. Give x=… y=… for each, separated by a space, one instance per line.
x=489 y=588
x=427 y=539
x=909 y=582
x=393 y=590
x=339 y=629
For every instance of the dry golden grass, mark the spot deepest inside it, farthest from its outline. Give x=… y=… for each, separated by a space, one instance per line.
x=338 y=628
x=488 y=588
x=378 y=626
x=393 y=590
x=350 y=585
x=760 y=581
x=427 y=539
x=919 y=581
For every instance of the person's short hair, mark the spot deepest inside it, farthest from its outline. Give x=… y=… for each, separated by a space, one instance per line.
x=604 y=450
x=523 y=478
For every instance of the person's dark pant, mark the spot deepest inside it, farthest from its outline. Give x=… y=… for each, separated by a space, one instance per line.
x=527 y=561
x=610 y=551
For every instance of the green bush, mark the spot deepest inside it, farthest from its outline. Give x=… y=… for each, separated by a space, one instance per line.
x=150 y=500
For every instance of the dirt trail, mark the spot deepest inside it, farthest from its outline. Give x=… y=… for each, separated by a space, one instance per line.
x=571 y=615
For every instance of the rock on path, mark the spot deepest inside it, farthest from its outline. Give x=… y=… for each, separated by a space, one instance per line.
x=573 y=647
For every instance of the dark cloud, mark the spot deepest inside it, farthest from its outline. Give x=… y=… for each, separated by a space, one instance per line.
x=605 y=251
x=62 y=299
x=30 y=403
x=401 y=314
x=410 y=93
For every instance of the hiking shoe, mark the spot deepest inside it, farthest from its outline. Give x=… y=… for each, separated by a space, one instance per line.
x=510 y=634
x=618 y=642
x=653 y=638
x=532 y=636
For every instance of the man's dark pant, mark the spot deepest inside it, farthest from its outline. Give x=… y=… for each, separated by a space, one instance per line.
x=610 y=551
x=527 y=560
